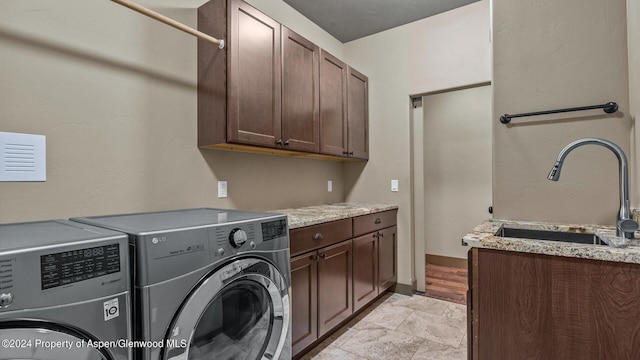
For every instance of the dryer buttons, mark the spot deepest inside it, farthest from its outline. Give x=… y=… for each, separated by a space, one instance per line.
x=5 y=300
x=237 y=237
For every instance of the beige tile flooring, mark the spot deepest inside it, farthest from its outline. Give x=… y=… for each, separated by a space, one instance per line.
x=400 y=327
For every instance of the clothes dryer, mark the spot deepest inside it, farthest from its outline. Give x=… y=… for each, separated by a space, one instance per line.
x=64 y=292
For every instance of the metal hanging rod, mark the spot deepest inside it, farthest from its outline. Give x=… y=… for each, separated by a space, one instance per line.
x=609 y=108
x=180 y=26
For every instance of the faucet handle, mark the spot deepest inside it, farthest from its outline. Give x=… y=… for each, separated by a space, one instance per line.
x=628 y=227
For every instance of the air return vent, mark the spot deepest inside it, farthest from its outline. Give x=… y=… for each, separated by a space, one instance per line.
x=22 y=157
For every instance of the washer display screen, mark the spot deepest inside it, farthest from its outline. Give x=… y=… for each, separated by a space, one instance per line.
x=73 y=266
x=274 y=229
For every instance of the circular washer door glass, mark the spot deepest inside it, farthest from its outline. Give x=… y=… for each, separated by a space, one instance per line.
x=237 y=324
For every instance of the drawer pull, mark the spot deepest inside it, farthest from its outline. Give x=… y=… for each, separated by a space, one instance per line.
x=317 y=236
x=323 y=255
x=380 y=234
x=378 y=221
x=314 y=257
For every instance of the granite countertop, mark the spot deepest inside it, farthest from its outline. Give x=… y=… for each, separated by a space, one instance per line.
x=620 y=249
x=318 y=214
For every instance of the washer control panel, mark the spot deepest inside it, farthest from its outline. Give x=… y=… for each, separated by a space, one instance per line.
x=231 y=239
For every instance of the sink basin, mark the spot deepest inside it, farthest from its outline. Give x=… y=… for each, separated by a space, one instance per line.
x=580 y=238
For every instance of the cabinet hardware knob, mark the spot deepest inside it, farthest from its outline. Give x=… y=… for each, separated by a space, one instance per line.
x=380 y=234
x=375 y=235
x=323 y=255
x=378 y=221
x=314 y=257
x=317 y=236
x=350 y=153
x=279 y=142
x=345 y=153
x=286 y=143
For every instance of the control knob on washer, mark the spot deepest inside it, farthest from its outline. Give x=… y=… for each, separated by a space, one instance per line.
x=237 y=237
x=5 y=300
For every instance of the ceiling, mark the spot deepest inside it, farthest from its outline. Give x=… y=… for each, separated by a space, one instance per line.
x=348 y=20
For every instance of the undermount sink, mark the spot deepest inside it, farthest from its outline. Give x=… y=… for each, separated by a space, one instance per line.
x=548 y=235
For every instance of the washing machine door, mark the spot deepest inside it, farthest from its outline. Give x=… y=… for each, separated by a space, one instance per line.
x=241 y=311
x=32 y=340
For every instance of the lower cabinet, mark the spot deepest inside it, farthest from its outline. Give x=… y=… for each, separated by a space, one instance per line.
x=334 y=275
x=533 y=306
x=321 y=292
x=387 y=258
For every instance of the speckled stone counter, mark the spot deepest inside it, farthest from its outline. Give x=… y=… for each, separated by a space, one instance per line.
x=621 y=250
x=312 y=215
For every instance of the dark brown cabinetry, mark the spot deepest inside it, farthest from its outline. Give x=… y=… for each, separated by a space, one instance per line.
x=333 y=109
x=229 y=107
x=532 y=306
x=358 y=114
x=300 y=92
x=333 y=275
x=365 y=271
x=335 y=291
x=270 y=90
x=374 y=256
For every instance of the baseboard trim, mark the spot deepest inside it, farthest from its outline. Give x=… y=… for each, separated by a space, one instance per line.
x=446 y=261
x=404 y=289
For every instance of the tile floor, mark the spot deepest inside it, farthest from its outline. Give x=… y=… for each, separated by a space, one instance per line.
x=400 y=327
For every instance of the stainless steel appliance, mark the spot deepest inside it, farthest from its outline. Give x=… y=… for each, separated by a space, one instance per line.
x=209 y=283
x=64 y=292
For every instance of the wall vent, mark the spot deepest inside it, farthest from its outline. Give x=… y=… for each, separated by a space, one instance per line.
x=22 y=157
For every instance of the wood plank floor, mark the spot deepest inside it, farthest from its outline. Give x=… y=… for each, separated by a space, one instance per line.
x=447 y=283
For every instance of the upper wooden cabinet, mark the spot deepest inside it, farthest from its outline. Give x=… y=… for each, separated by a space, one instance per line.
x=271 y=90
x=333 y=108
x=300 y=92
x=358 y=114
x=230 y=109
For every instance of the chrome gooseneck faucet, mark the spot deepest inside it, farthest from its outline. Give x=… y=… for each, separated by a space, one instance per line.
x=625 y=225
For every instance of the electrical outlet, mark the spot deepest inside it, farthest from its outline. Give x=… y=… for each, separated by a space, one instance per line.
x=394 y=185
x=222 y=189
x=329 y=186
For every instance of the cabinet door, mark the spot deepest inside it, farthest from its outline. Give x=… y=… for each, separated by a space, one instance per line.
x=387 y=255
x=358 y=114
x=334 y=285
x=300 y=92
x=304 y=305
x=365 y=269
x=333 y=107
x=254 y=93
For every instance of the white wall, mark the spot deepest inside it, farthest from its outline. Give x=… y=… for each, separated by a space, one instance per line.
x=457 y=167
x=550 y=55
x=389 y=60
x=115 y=93
x=633 y=47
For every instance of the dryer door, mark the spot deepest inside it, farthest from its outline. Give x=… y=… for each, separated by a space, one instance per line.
x=241 y=311
x=44 y=341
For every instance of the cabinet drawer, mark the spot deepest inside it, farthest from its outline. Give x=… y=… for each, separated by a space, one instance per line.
x=314 y=237
x=372 y=222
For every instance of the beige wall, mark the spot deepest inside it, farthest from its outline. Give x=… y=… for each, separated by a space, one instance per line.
x=633 y=44
x=115 y=94
x=558 y=54
x=457 y=167
x=387 y=58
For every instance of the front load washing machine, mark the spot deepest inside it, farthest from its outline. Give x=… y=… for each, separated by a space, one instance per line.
x=64 y=292
x=209 y=283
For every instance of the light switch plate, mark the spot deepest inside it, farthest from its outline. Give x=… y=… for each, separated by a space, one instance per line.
x=394 y=185
x=23 y=157
x=329 y=186
x=222 y=189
